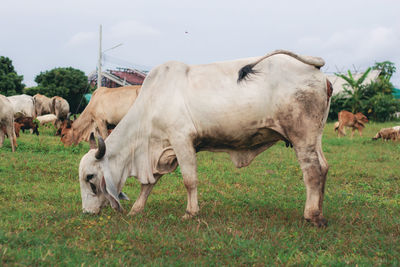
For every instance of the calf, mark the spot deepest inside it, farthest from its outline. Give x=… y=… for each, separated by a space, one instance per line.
x=354 y=121
x=17 y=127
x=28 y=123
x=48 y=118
x=392 y=133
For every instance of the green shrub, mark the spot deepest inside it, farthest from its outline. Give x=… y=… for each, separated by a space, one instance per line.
x=382 y=106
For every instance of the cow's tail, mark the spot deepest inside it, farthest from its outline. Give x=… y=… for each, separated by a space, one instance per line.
x=245 y=71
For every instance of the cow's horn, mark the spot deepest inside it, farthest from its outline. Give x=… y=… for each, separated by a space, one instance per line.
x=102 y=148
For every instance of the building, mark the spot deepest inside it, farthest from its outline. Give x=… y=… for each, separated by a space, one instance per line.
x=118 y=77
x=338 y=82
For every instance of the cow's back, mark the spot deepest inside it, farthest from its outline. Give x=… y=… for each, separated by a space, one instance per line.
x=111 y=104
x=208 y=103
x=42 y=104
x=218 y=104
x=23 y=105
x=60 y=107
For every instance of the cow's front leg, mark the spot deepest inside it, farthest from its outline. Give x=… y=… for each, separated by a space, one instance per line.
x=186 y=156
x=2 y=136
x=314 y=169
x=141 y=201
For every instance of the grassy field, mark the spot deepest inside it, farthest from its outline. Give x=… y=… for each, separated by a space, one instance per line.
x=249 y=216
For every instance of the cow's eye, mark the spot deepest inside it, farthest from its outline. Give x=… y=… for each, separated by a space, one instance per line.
x=89 y=177
x=94 y=189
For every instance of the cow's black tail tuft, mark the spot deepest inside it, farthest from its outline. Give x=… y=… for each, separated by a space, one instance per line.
x=245 y=72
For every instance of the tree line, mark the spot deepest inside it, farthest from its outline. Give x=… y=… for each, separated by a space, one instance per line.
x=69 y=83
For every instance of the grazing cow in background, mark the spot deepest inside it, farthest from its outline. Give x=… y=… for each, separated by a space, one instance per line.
x=23 y=105
x=241 y=107
x=7 y=122
x=60 y=108
x=42 y=104
x=397 y=128
x=55 y=105
x=26 y=123
x=354 y=121
x=106 y=107
x=392 y=133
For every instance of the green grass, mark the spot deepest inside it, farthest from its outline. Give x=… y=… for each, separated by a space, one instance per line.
x=249 y=216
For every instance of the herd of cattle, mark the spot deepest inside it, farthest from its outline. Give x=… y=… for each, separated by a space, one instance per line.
x=105 y=110
x=25 y=112
x=103 y=113
x=357 y=122
x=241 y=107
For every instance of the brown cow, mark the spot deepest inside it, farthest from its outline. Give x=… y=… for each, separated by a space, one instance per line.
x=106 y=107
x=26 y=123
x=354 y=121
x=17 y=128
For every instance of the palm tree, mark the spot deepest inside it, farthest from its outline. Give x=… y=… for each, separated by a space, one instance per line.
x=354 y=90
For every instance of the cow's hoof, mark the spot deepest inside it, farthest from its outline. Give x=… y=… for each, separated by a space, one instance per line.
x=134 y=212
x=188 y=215
x=318 y=221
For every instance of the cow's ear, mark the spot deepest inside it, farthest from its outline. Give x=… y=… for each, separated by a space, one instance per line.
x=69 y=124
x=123 y=196
x=167 y=161
x=110 y=191
x=92 y=141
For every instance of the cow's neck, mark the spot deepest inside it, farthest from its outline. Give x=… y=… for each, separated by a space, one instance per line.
x=120 y=148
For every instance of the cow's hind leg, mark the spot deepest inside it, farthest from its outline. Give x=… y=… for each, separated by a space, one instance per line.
x=139 y=204
x=315 y=168
x=341 y=130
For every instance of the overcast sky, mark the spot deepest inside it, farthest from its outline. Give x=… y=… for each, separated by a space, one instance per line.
x=43 y=34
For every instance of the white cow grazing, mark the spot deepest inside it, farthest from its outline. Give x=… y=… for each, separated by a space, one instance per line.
x=240 y=107
x=23 y=105
x=7 y=122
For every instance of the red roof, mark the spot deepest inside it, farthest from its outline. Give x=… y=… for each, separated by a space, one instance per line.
x=131 y=76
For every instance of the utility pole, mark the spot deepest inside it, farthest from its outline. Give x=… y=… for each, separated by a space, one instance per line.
x=99 y=63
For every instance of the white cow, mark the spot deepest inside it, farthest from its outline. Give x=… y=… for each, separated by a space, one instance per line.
x=48 y=118
x=240 y=107
x=43 y=104
x=60 y=107
x=7 y=122
x=23 y=105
